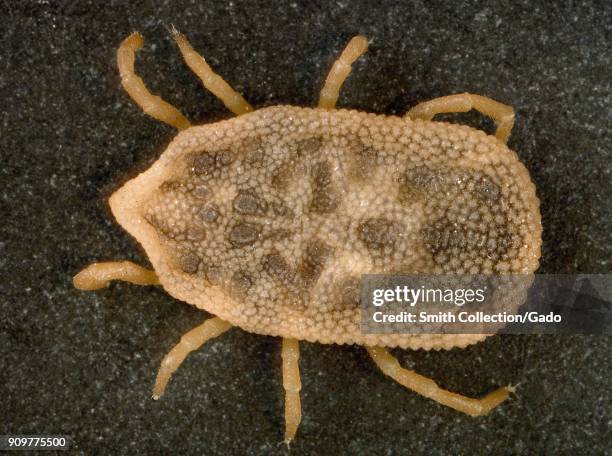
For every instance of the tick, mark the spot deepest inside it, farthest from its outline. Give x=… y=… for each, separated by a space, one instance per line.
x=269 y=219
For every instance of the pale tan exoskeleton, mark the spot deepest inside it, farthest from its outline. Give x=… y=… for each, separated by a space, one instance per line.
x=269 y=219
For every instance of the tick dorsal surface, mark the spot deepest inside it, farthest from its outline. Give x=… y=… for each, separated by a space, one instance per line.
x=268 y=220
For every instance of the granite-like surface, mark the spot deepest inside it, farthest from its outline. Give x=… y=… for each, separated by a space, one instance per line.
x=84 y=363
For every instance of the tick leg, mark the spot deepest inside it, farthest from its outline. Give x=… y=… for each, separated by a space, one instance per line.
x=340 y=71
x=292 y=384
x=211 y=80
x=428 y=388
x=99 y=275
x=502 y=114
x=190 y=341
x=134 y=86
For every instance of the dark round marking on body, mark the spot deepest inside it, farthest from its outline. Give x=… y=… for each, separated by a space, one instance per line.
x=444 y=236
x=205 y=163
x=281 y=209
x=324 y=201
x=210 y=213
x=427 y=180
x=321 y=174
x=324 y=197
x=363 y=158
x=419 y=183
x=223 y=158
x=189 y=262
x=247 y=202
x=488 y=190
x=315 y=256
x=171 y=186
x=278 y=268
x=280 y=177
x=309 y=146
x=242 y=281
x=195 y=233
x=254 y=152
x=347 y=294
x=244 y=234
x=213 y=273
x=377 y=233
x=200 y=192
x=407 y=193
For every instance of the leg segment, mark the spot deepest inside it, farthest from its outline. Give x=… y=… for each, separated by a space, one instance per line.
x=340 y=71
x=293 y=385
x=211 y=80
x=428 y=388
x=99 y=275
x=134 y=86
x=191 y=341
x=502 y=114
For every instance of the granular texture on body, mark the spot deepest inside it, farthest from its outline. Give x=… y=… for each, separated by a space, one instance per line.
x=268 y=220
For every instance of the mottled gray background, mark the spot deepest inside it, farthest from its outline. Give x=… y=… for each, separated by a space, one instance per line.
x=84 y=363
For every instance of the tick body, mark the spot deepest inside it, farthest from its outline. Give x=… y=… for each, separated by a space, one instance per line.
x=269 y=219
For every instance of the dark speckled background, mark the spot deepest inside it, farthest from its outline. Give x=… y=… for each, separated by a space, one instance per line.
x=83 y=364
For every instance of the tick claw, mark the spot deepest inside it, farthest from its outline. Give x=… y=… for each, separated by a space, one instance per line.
x=286 y=442
x=512 y=388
